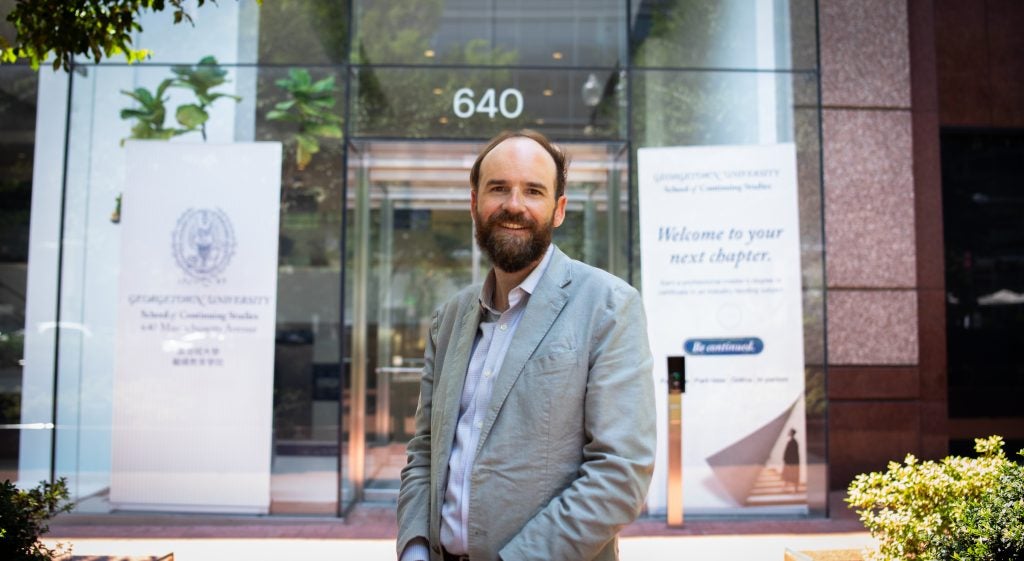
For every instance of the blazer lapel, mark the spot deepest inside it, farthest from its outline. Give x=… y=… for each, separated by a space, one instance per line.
x=449 y=391
x=544 y=305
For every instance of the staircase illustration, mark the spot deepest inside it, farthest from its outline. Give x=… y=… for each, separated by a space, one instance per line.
x=770 y=489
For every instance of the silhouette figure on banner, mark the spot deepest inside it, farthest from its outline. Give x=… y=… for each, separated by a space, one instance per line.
x=791 y=463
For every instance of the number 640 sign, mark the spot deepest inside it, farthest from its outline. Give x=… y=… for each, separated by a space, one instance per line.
x=509 y=103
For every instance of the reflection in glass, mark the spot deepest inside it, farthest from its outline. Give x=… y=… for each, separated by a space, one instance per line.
x=304 y=32
x=307 y=364
x=411 y=248
x=731 y=34
x=983 y=215
x=302 y=108
x=498 y=33
x=478 y=103
x=18 y=85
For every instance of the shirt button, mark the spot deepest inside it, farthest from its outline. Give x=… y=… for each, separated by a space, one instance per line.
x=487 y=373
x=504 y=326
x=479 y=424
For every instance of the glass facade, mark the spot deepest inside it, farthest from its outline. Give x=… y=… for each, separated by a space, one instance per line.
x=380 y=108
x=18 y=91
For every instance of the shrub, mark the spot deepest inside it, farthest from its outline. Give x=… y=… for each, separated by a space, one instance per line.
x=991 y=527
x=23 y=518
x=942 y=510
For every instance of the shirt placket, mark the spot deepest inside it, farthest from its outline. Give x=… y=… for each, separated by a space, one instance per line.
x=467 y=425
x=497 y=333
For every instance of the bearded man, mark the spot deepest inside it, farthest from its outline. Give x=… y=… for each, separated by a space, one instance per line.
x=535 y=431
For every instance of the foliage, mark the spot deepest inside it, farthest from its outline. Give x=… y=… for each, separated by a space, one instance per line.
x=200 y=79
x=96 y=28
x=25 y=515
x=673 y=108
x=914 y=507
x=310 y=106
x=12 y=347
x=311 y=31
x=10 y=406
x=989 y=528
x=397 y=99
x=151 y=112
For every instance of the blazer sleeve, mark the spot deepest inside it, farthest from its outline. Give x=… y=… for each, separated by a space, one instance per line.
x=414 y=493
x=618 y=456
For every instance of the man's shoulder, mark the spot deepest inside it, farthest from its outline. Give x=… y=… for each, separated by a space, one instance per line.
x=591 y=278
x=466 y=296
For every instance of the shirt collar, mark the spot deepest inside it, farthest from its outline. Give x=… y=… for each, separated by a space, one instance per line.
x=524 y=288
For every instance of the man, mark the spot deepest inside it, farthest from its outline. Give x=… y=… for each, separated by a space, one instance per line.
x=535 y=430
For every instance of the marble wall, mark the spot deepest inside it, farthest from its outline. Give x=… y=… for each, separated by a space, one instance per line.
x=886 y=337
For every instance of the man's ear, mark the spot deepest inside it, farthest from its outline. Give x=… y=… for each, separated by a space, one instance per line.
x=559 y=216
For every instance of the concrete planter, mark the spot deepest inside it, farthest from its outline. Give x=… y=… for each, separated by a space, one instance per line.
x=825 y=555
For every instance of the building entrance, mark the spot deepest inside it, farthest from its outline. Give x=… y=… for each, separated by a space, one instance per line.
x=409 y=247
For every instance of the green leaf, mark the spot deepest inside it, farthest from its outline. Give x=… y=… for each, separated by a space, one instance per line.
x=162 y=88
x=191 y=116
x=275 y=115
x=325 y=85
x=308 y=143
x=215 y=96
x=143 y=95
x=302 y=156
x=133 y=114
x=324 y=130
x=299 y=78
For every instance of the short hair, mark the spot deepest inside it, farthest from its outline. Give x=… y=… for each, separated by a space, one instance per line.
x=559 y=157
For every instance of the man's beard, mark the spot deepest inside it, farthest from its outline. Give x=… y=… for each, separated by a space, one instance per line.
x=508 y=251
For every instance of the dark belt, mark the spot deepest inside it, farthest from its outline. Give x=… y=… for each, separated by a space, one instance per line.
x=450 y=557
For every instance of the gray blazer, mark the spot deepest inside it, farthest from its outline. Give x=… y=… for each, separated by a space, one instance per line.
x=567 y=446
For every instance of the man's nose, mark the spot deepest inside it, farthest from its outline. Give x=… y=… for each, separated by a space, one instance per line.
x=514 y=201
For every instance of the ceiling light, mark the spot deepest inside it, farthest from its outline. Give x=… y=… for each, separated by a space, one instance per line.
x=591 y=91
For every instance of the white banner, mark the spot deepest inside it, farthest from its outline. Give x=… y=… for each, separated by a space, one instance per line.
x=194 y=378
x=720 y=254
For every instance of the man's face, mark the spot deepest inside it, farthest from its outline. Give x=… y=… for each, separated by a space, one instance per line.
x=514 y=206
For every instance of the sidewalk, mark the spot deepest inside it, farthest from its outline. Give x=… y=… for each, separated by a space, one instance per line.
x=768 y=547
x=369 y=534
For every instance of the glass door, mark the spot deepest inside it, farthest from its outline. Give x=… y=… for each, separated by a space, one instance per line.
x=409 y=248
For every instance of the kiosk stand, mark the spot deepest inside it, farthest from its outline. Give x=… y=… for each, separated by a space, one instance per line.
x=676 y=388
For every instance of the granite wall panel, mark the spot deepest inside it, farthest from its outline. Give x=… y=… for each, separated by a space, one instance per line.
x=872 y=327
x=869 y=199
x=864 y=57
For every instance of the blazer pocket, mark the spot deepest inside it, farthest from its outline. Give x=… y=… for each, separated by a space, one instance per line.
x=551 y=363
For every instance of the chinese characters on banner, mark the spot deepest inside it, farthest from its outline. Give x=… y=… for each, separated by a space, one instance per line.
x=194 y=378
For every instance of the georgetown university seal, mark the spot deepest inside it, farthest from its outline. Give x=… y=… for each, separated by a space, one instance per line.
x=203 y=242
